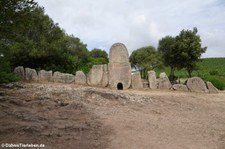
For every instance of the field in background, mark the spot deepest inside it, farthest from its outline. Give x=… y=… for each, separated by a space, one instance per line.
x=210 y=69
x=207 y=66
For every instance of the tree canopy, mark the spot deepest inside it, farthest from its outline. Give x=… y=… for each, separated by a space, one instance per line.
x=144 y=59
x=99 y=56
x=189 y=49
x=182 y=51
x=167 y=48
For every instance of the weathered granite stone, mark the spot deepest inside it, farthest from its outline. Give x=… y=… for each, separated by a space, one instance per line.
x=63 y=77
x=196 y=84
x=80 y=78
x=119 y=67
x=57 y=77
x=136 y=81
x=95 y=75
x=180 y=87
x=31 y=74
x=20 y=71
x=212 y=89
x=44 y=75
x=164 y=82
x=152 y=80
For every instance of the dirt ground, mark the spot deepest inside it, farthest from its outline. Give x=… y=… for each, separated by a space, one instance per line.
x=76 y=117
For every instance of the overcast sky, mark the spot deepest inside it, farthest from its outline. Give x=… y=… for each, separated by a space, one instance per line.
x=138 y=23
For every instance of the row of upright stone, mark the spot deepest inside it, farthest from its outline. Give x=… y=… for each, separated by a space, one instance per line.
x=48 y=76
x=98 y=76
x=194 y=84
x=117 y=75
x=153 y=83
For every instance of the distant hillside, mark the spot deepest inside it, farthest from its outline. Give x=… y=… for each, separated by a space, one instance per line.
x=208 y=65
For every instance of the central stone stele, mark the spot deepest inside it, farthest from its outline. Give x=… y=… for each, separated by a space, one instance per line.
x=119 y=67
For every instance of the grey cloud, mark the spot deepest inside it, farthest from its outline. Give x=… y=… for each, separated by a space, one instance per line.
x=100 y=23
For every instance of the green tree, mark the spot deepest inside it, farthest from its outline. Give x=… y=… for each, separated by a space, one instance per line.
x=99 y=56
x=189 y=49
x=13 y=15
x=98 y=53
x=144 y=59
x=167 y=48
x=79 y=51
x=40 y=42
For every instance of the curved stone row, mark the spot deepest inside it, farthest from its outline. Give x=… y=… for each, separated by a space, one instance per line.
x=98 y=76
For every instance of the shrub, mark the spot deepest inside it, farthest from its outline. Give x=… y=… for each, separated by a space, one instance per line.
x=6 y=75
x=217 y=81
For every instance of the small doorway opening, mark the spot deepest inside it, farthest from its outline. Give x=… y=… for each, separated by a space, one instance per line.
x=120 y=86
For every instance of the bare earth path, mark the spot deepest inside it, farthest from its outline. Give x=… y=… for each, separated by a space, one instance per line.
x=84 y=117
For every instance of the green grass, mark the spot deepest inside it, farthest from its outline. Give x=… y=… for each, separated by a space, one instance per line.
x=209 y=69
x=217 y=81
x=207 y=66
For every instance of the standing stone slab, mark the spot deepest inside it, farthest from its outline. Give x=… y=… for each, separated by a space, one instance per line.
x=152 y=80
x=98 y=76
x=180 y=87
x=63 y=77
x=119 y=67
x=95 y=75
x=212 y=88
x=45 y=76
x=80 y=78
x=196 y=84
x=57 y=77
x=20 y=71
x=68 y=78
x=164 y=82
x=105 y=78
x=31 y=74
x=136 y=81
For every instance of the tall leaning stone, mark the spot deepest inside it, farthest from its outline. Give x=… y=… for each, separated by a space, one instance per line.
x=136 y=81
x=31 y=74
x=45 y=76
x=20 y=71
x=119 y=67
x=212 y=89
x=152 y=80
x=164 y=82
x=196 y=84
x=80 y=78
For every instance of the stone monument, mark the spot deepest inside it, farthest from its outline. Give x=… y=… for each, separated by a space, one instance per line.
x=119 y=67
